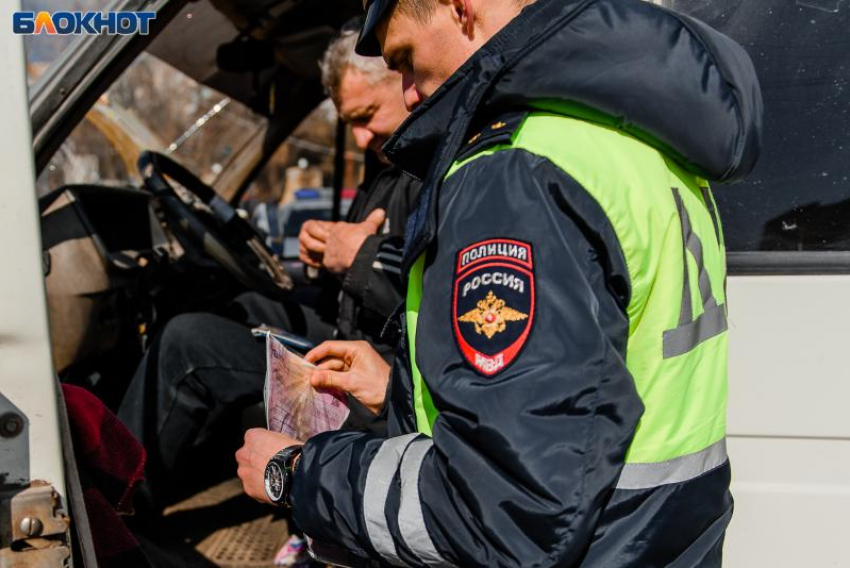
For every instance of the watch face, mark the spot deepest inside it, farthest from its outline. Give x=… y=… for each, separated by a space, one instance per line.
x=274 y=481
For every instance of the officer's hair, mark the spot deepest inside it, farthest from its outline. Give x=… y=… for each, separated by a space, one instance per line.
x=340 y=56
x=421 y=10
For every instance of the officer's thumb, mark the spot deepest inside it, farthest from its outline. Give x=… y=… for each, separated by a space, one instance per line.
x=375 y=220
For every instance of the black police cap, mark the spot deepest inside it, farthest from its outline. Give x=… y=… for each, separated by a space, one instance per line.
x=367 y=43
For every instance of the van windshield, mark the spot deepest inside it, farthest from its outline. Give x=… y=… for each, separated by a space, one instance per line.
x=43 y=50
x=152 y=106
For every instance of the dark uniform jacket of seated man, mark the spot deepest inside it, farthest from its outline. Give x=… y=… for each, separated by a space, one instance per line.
x=560 y=396
x=186 y=399
x=372 y=289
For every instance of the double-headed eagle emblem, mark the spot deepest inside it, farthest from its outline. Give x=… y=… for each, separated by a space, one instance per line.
x=491 y=316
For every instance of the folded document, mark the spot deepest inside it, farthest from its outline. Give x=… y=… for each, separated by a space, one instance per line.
x=293 y=406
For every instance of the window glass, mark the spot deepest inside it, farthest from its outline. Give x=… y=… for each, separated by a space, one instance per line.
x=43 y=50
x=87 y=156
x=798 y=197
x=306 y=160
x=195 y=124
x=295 y=185
x=152 y=106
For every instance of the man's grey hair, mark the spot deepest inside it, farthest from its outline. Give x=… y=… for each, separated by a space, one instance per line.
x=340 y=56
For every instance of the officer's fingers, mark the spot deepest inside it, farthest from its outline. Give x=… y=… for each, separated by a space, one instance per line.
x=375 y=219
x=253 y=483
x=243 y=473
x=332 y=365
x=335 y=348
x=246 y=474
x=246 y=454
x=253 y=434
x=362 y=354
x=317 y=353
x=243 y=455
x=330 y=380
x=263 y=444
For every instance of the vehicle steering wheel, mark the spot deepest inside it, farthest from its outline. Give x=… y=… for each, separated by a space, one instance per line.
x=221 y=233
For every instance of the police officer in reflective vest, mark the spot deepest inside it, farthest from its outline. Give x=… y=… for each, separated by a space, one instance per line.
x=560 y=396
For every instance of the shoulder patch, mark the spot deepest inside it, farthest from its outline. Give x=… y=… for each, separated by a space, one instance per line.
x=493 y=302
x=499 y=131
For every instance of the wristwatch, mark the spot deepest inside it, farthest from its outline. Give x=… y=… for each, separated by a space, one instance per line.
x=279 y=474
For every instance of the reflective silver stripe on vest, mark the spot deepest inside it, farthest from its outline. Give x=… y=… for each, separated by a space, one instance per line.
x=709 y=203
x=712 y=322
x=677 y=470
x=411 y=523
x=686 y=337
x=378 y=479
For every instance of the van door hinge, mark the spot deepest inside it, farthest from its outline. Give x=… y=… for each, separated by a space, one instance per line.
x=34 y=529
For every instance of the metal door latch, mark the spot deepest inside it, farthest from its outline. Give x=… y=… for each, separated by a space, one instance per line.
x=38 y=528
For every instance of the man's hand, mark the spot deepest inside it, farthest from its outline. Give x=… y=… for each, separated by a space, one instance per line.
x=260 y=446
x=345 y=239
x=312 y=240
x=352 y=366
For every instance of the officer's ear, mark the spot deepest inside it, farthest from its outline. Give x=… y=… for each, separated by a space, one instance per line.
x=464 y=12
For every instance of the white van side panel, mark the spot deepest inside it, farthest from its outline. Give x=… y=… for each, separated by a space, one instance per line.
x=26 y=373
x=789 y=421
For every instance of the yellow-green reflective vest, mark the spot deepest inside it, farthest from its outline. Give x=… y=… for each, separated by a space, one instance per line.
x=666 y=222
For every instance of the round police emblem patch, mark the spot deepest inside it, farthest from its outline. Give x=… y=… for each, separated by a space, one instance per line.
x=493 y=307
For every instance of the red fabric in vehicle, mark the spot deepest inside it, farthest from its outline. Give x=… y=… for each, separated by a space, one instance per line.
x=111 y=464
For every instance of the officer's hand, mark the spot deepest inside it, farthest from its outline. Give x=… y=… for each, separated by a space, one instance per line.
x=312 y=240
x=345 y=239
x=252 y=458
x=352 y=366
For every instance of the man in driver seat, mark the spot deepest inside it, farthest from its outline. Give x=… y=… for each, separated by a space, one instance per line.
x=204 y=369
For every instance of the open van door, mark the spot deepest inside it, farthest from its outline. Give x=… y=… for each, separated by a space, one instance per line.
x=34 y=526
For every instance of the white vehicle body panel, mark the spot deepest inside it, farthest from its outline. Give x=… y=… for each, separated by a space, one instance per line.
x=26 y=372
x=789 y=421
